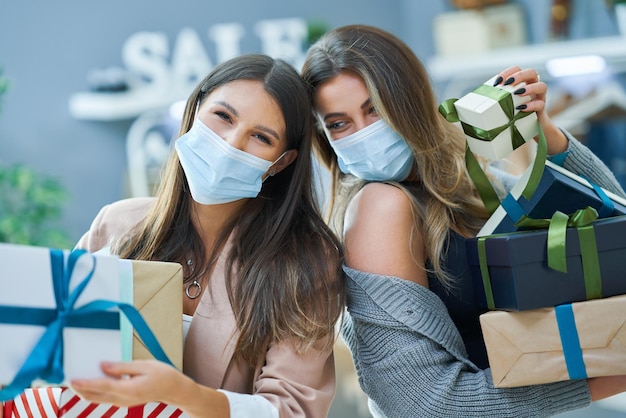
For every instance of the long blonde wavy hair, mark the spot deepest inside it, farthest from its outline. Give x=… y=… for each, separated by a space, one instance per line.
x=443 y=196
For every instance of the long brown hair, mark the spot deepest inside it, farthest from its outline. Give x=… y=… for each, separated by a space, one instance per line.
x=287 y=262
x=443 y=196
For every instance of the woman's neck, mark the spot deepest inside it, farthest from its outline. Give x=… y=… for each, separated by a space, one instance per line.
x=210 y=220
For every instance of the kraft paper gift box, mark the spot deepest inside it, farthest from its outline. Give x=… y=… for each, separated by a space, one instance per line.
x=29 y=316
x=558 y=189
x=566 y=342
x=515 y=275
x=489 y=118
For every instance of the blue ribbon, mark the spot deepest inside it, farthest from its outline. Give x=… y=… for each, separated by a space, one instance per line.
x=570 y=342
x=607 y=207
x=513 y=209
x=46 y=359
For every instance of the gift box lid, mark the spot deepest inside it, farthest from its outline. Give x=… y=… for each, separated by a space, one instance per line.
x=522 y=247
x=558 y=190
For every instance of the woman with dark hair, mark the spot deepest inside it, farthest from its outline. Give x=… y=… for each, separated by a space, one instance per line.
x=263 y=284
x=404 y=203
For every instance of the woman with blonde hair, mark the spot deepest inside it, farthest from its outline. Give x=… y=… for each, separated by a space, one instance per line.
x=404 y=204
x=263 y=284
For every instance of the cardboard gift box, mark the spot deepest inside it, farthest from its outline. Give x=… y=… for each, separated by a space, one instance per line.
x=557 y=190
x=89 y=329
x=515 y=274
x=574 y=341
x=489 y=118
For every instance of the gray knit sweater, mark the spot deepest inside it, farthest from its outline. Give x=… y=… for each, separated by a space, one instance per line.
x=410 y=358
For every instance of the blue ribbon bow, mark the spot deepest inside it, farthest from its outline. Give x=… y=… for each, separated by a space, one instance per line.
x=46 y=359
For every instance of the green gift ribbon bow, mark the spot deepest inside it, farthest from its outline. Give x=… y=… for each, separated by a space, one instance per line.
x=485 y=190
x=505 y=100
x=557 y=253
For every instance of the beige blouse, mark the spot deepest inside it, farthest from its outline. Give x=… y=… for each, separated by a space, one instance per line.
x=298 y=385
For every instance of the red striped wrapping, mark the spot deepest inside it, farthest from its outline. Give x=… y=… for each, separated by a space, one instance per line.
x=34 y=403
x=51 y=402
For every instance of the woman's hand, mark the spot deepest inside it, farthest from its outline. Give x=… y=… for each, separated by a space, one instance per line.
x=131 y=383
x=605 y=386
x=536 y=90
x=142 y=381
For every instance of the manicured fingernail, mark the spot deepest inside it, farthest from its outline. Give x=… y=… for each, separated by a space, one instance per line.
x=498 y=81
x=521 y=107
x=520 y=91
x=508 y=81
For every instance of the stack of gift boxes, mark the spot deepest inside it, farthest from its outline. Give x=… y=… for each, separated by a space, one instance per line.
x=64 y=312
x=548 y=264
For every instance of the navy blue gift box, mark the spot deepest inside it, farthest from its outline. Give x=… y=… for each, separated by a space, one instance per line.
x=559 y=192
x=520 y=278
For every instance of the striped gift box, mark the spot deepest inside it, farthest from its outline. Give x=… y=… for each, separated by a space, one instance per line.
x=62 y=402
x=34 y=403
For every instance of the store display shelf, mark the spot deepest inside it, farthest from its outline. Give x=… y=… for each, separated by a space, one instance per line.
x=483 y=65
x=121 y=105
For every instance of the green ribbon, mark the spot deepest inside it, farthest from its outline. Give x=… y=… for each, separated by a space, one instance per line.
x=557 y=252
x=485 y=190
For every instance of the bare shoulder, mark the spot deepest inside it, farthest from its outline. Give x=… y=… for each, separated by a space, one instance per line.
x=378 y=233
x=376 y=200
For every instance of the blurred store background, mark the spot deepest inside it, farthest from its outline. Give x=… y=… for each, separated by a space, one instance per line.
x=88 y=91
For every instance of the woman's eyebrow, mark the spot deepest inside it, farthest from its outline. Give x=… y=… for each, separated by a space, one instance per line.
x=269 y=131
x=228 y=106
x=365 y=104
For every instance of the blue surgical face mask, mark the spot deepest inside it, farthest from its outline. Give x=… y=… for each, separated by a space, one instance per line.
x=374 y=153
x=216 y=171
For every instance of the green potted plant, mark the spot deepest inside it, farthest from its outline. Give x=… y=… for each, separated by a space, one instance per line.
x=31 y=204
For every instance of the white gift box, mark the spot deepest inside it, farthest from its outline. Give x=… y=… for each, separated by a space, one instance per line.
x=26 y=282
x=94 y=288
x=483 y=112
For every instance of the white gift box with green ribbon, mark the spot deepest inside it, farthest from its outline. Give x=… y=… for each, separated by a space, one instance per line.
x=492 y=124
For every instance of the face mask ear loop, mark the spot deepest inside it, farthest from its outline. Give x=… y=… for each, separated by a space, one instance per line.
x=270 y=171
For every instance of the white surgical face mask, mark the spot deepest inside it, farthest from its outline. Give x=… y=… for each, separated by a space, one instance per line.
x=374 y=153
x=216 y=171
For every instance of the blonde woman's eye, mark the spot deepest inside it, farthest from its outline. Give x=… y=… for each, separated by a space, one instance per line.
x=334 y=126
x=372 y=111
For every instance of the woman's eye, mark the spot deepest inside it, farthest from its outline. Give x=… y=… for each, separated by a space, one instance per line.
x=263 y=138
x=222 y=115
x=334 y=126
x=371 y=111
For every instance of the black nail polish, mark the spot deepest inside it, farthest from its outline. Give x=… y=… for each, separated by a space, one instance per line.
x=508 y=81
x=498 y=81
x=520 y=91
x=521 y=107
